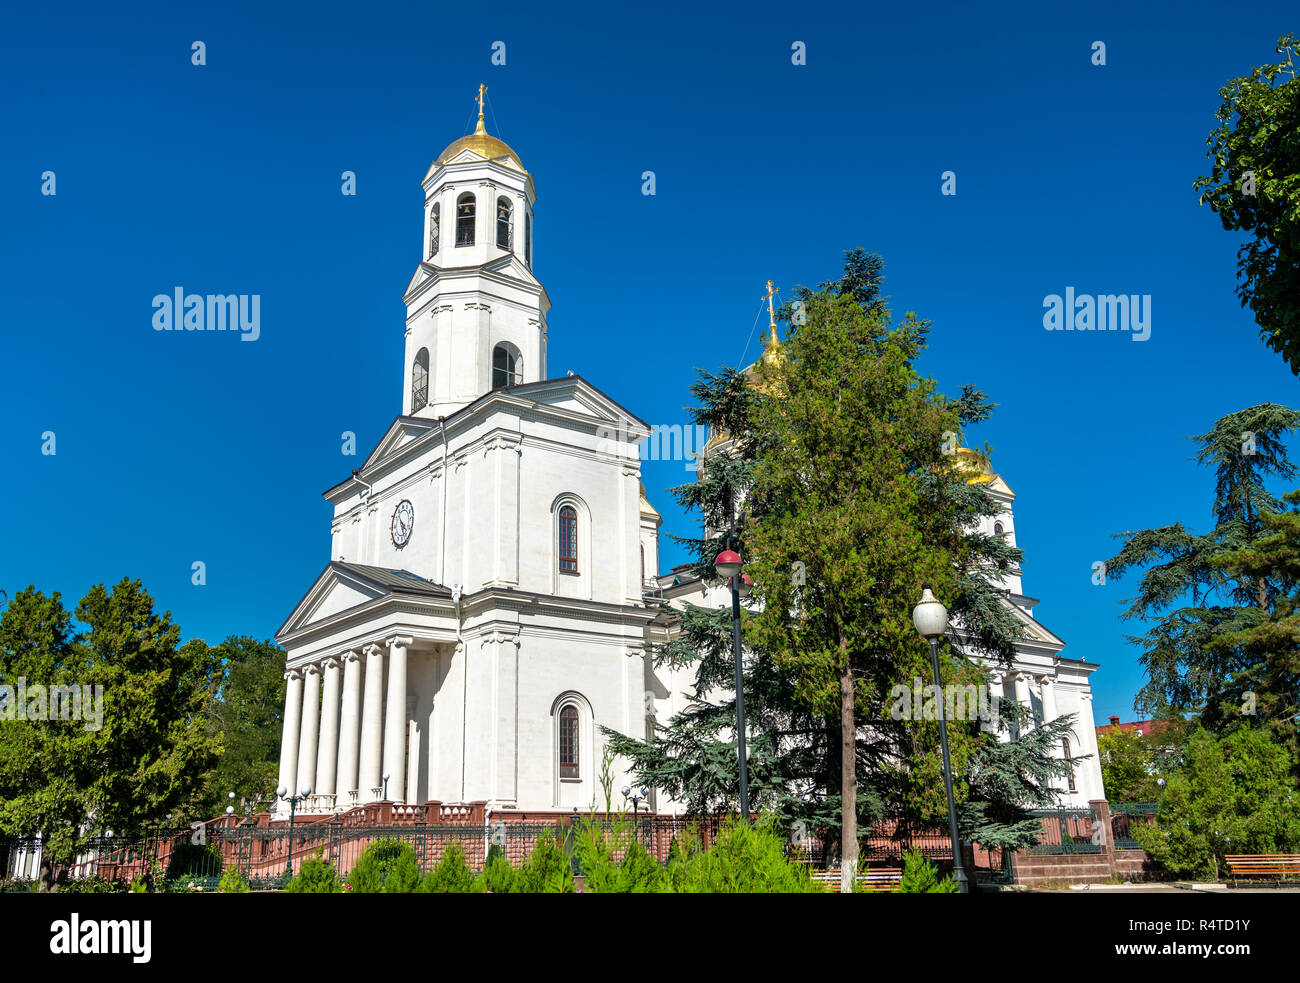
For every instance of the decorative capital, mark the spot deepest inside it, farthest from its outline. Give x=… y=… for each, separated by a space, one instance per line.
x=352 y=656
x=311 y=669
x=292 y=675
x=404 y=641
x=372 y=649
x=330 y=663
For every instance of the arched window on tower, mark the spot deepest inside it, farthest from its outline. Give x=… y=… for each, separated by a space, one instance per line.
x=465 y=219
x=506 y=370
x=420 y=381
x=504 y=210
x=1065 y=748
x=528 y=239
x=435 y=220
x=568 y=742
x=568 y=539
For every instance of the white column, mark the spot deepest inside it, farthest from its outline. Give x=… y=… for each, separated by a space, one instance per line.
x=412 y=754
x=1087 y=776
x=327 y=759
x=289 y=740
x=372 y=732
x=1022 y=697
x=349 y=722
x=996 y=695
x=395 y=730
x=1047 y=689
x=310 y=728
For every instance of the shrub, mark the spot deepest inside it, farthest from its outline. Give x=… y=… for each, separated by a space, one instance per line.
x=546 y=871
x=1234 y=794
x=922 y=877
x=498 y=875
x=452 y=875
x=745 y=859
x=316 y=876
x=384 y=860
x=92 y=885
x=640 y=873
x=194 y=860
x=233 y=881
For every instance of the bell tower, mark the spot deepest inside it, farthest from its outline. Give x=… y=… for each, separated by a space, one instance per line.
x=475 y=312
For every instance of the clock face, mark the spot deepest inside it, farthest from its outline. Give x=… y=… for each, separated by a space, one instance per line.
x=403 y=523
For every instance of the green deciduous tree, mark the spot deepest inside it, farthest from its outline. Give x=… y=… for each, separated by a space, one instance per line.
x=1231 y=795
x=245 y=717
x=1254 y=187
x=68 y=780
x=1132 y=764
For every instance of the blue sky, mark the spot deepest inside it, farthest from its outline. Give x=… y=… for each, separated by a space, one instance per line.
x=173 y=448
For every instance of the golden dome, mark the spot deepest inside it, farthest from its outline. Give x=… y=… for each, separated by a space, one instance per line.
x=973 y=463
x=482 y=143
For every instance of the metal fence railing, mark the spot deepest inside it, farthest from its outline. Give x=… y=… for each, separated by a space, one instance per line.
x=268 y=854
x=1068 y=829
x=1125 y=817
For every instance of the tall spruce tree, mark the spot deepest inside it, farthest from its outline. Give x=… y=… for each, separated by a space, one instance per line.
x=857 y=491
x=1210 y=594
x=1268 y=648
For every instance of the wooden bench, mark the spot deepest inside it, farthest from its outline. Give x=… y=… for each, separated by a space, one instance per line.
x=882 y=879
x=1263 y=865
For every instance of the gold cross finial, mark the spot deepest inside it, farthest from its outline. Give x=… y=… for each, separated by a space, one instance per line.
x=772 y=341
x=481 y=89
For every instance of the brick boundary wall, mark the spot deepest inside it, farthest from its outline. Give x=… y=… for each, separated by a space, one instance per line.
x=1085 y=868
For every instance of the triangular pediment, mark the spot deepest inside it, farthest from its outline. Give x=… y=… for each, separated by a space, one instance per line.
x=1034 y=630
x=403 y=431
x=576 y=395
x=343 y=587
x=333 y=593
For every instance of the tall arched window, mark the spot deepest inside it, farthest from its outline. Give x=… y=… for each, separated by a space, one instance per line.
x=568 y=742
x=1065 y=748
x=528 y=239
x=568 y=539
x=997 y=529
x=465 y=219
x=505 y=366
x=420 y=380
x=504 y=239
x=435 y=221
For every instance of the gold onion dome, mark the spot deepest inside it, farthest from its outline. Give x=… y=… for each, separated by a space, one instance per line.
x=974 y=465
x=480 y=142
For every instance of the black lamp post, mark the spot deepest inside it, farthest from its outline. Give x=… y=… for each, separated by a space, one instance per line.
x=293 y=801
x=728 y=565
x=931 y=620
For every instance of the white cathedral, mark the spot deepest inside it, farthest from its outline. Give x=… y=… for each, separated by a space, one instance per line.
x=486 y=605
